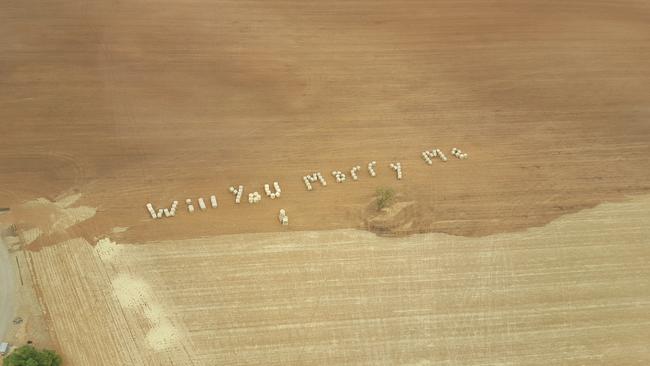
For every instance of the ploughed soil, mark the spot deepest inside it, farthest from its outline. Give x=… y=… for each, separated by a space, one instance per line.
x=550 y=100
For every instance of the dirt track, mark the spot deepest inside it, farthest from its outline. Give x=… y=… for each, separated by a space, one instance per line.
x=7 y=290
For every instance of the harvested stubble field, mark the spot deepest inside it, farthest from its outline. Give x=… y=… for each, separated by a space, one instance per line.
x=570 y=293
x=105 y=106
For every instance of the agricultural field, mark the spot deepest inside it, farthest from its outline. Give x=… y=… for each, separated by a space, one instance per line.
x=531 y=251
x=562 y=294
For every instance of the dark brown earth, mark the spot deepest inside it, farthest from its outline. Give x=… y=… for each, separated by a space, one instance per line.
x=135 y=102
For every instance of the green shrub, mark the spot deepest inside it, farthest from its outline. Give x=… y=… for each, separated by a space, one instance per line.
x=385 y=197
x=30 y=356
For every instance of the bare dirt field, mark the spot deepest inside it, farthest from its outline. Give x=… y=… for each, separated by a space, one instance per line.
x=130 y=102
x=105 y=106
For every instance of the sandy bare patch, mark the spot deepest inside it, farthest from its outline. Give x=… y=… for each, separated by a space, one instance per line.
x=71 y=216
x=119 y=229
x=163 y=333
x=29 y=235
x=39 y=220
x=130 y=291
x=133 y=293
x=53 y=216
x=68 y=200
x=398 y=219
x=107 y=249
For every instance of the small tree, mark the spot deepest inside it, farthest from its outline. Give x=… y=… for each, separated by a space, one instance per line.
x=385 y=197
x=30 y=356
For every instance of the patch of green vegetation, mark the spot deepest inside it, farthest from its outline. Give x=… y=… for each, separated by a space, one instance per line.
x=30 y=356
x=385 y=197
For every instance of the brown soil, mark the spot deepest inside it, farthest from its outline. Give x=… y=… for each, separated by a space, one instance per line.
x=551 y=101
